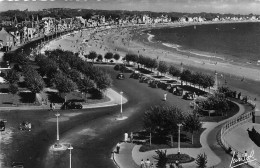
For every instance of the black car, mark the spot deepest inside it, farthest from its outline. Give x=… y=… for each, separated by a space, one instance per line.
x=120 y=76
x=2 y=125
x=17 y=165
x=72 y=105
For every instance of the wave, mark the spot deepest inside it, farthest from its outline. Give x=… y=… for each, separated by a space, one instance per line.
x=205 y=55
x=178 y=48
x=150 y=37
x=175 y=46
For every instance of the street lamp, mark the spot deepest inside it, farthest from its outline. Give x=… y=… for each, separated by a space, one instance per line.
x=58 y=138
x=70 y=148
x=121 y=93
x=216 y=79
x=179 y=139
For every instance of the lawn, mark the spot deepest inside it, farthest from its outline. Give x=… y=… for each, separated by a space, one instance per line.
x=22 y=98
x=164 y=143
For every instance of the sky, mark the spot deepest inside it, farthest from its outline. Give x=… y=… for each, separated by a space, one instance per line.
x=189 y=6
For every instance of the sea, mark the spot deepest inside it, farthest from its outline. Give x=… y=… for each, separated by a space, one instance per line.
x=234 y=42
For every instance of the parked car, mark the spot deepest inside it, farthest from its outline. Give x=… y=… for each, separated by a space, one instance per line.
x=120 y=76
x=2 y=125
x=178 y=91
x=72 y=105
x=188 y=96
x=27 y=126
x=17 y=165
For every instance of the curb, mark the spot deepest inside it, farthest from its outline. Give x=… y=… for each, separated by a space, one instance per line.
x=113 y=158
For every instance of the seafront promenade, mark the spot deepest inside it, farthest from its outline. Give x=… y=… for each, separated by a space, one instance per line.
x=217 y=157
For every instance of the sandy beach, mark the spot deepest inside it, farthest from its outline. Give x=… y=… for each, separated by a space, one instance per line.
x=240 y=77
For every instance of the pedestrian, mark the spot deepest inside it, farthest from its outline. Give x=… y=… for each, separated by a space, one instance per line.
x=142 y=165
x=152 y=166
x=126 y=137
x=239 y=95
x=131 y=137
x=147 y=163
x=117 y=147
x=51 y=106
x=245 y=155
x=165 y=96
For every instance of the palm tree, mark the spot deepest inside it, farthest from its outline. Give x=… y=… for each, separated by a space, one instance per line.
x=161 y=158
x=201 y=161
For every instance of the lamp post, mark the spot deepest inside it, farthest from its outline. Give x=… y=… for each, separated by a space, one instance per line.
x=70 y=148
x=121 y=111
x=216 y=79
x=58 y=138
x=179 y=138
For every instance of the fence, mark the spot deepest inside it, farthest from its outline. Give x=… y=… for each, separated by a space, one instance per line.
x=231 y=124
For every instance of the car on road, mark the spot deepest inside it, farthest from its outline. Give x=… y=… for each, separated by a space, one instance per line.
x=72 y=105
x=2 y=125
x=25 y=126
x=17 y=165
x=120 y=76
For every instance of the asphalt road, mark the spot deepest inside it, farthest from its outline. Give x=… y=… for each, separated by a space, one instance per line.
x=93 y=132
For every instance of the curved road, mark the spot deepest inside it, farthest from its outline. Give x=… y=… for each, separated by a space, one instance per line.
x=93 y=132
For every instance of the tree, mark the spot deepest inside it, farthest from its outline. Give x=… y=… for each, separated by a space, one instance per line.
x=151 y=63
x=64 y=84
x=191 y=124
x=161 y=158
x=92 y=55
x=33 y=80
x=13 y=89
x=103 y=81
x=12 y=76
x=100 y=57
x=108 y=56
x=21 y=58
x=74 y=75
x=64 y=67
x=116 y=56
x=162 y=121
x=85 y=85
x=201 y=161
x=162 y=67
x=186 y=76
x=174 y=71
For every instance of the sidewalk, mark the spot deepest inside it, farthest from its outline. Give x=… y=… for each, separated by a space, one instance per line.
x=115 y=99
x=241 y=141
x=123 y=159
x=129 y=153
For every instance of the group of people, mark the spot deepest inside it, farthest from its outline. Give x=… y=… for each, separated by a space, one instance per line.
x=146 y=164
